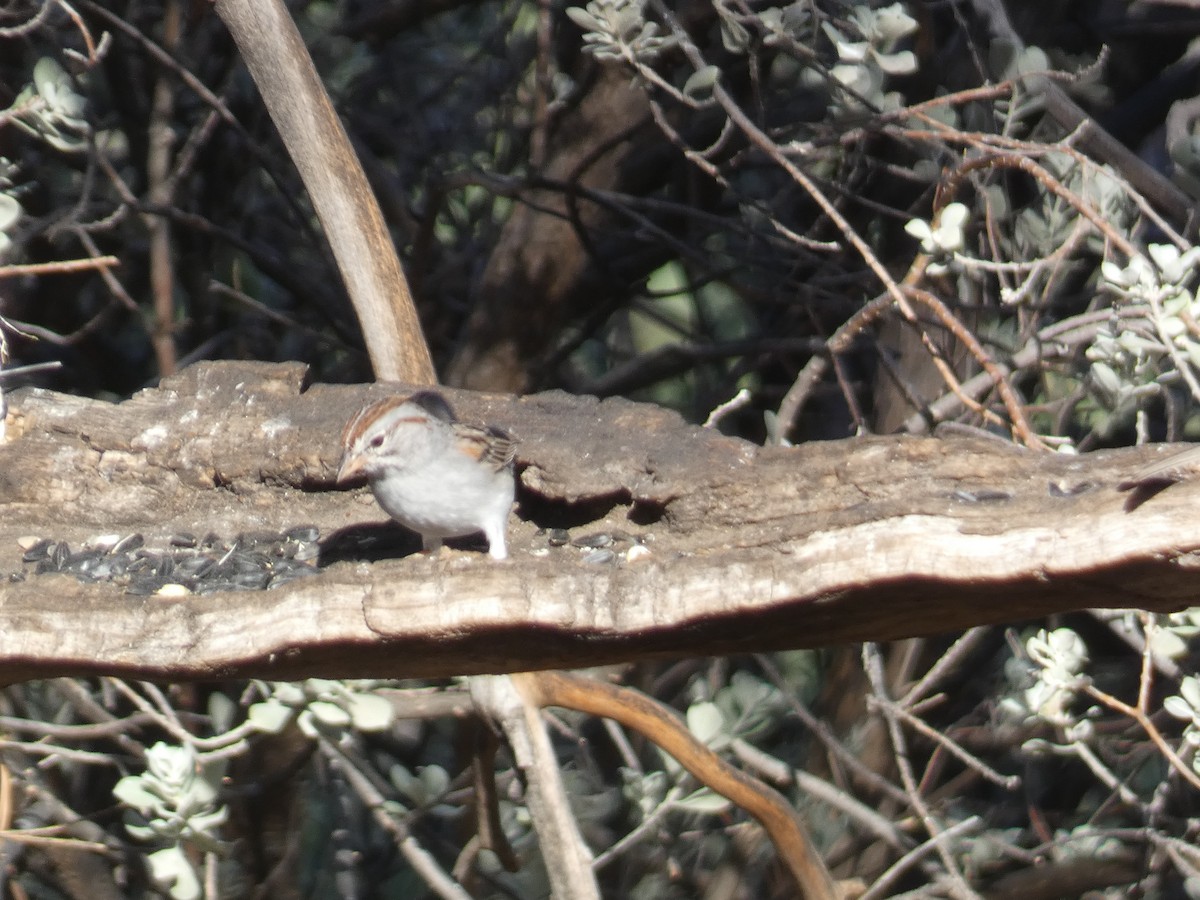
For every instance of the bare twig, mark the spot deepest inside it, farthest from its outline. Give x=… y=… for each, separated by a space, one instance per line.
x=514 y=705
x=1151 y=730
x=873 y=666
x=938 y=842
x=59 y=267
x=417 y=856
x=160 y=191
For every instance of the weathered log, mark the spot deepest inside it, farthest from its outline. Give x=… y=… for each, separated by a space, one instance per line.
x=750 y=548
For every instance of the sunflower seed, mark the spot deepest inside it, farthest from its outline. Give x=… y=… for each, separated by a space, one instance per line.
x=145 y=584
x=102 y=542
x=128 y=543
x=302 y=534
x=194 y=566
x=254 y=581
x=593 y=541
x=257 y=538
x=308 y=551
x=636 y=552
x=39 y=551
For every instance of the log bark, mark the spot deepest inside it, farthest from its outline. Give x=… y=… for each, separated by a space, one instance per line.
x=750 y=548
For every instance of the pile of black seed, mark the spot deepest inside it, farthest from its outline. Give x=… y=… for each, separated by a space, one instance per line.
x=253 y=561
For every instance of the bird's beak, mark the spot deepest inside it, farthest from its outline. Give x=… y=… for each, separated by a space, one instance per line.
x=352 y=465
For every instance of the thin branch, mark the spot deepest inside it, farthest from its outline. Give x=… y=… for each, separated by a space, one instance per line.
x=873 y=666
x=59 y=267
x=917 y=854
x=1151 y=730
x=513 y=704
x=417 y=856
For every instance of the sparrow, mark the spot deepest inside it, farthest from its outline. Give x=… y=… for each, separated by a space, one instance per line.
x=433 y=474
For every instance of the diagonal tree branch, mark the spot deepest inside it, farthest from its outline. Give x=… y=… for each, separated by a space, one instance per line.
x=281 y=67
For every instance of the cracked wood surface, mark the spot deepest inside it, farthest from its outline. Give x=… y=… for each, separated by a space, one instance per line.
x=750 y=548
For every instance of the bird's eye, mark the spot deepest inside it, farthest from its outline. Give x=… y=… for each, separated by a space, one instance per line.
x=377 y=441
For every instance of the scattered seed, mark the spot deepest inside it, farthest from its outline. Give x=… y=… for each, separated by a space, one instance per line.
x=596 y=540
x=140 y=564
x=984 y=496
x=129 y=543
x=636 y=552
x=182 y=539
x=87 y=554
x=302 y=534
x=194 y=566
x=144 y=585
x=249 y=563
x=102 y=570
x=1068 y=489
x=257 y=538
x=82 y=563
x=29 y=541
x=558 y=537
x=102 y=542
x=39 y=551
x=307 y=552
x=599 y=556
x=172 y=589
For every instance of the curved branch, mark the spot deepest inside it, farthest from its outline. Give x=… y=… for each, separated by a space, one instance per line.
x=663 y=726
